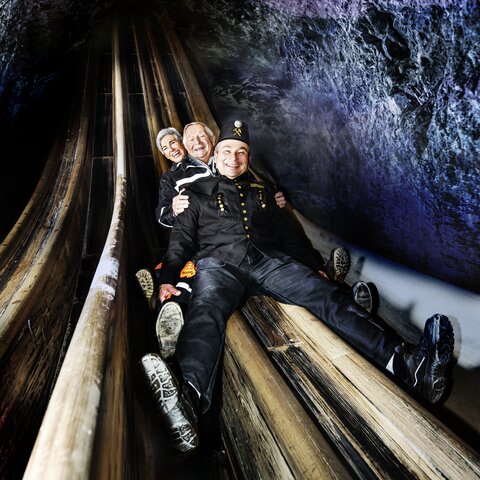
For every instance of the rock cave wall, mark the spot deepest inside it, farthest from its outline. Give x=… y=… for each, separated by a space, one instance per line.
x=365 y=113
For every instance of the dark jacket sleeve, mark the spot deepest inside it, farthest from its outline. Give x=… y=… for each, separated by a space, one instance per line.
x=166 y=192
x=293 y=240
x=182 y=245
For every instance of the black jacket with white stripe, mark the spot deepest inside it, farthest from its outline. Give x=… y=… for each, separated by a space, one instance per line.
x=175 y=180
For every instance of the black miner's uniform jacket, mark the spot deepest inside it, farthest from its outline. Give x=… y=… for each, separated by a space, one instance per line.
x=224 y=216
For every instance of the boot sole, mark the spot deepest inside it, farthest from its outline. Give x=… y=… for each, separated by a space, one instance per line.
x=165 y=393
x=168 y=327
x=439 y=332
x=341 y=264
x=145 y=280
x=370 y=304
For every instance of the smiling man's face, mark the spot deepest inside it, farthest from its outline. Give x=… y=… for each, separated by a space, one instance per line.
x=231 y=158
x=198 y=142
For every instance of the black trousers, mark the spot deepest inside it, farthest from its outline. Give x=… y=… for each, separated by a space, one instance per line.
x=219 y=288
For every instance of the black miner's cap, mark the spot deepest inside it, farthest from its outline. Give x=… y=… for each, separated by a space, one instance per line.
x=234 y=130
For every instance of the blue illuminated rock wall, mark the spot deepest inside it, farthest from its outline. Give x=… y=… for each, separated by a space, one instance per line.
x=365 y=113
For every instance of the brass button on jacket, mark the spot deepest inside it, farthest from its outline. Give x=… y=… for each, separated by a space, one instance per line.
x=215 y=224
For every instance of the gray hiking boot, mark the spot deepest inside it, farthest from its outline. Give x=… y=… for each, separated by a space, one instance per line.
x=168 y=327
x=176 y=409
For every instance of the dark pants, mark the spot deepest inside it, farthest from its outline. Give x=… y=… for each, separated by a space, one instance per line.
x=220 y=288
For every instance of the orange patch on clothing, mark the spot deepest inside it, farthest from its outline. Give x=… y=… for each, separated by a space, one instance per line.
x=189 y=270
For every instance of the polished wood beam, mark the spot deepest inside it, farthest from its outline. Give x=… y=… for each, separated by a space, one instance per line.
x=268 y=429
x=380 y=429
x=199 y=109
x=40 y=261
x=87 y=412
x=159 y=104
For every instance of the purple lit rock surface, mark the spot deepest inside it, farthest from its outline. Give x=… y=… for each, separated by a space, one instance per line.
x=366 y=115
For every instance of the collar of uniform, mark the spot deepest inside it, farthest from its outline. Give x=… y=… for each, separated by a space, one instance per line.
x=211 y=164
x=193 y=161
x=244 y=177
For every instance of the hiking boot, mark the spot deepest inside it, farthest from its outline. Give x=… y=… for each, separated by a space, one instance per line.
x=145 y=280
x=168 y=327
x=366 y=295
x=426 y=364
x=338 y=264
x=177 y=410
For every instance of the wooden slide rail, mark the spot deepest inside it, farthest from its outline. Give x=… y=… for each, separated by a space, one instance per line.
x=39 y=233
x=40 y=260
x=269 y=432
x=87 y=412
x=197 y=105
x=15 y=245
x=153 y=77
x=380 y=430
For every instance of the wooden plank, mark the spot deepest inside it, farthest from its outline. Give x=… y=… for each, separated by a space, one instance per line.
x=72 y=426
x=15 y=245
x=38 y=288
x=51 y=229
x=380 y=429
x=200 y=111
x=157 y=92
x=268 y=428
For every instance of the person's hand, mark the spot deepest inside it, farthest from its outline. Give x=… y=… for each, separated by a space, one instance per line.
x=280 y=199
x=180 y=203
x=323 y=274
x=166 y=291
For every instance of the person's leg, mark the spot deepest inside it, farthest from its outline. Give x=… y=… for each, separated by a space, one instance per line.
x=183 y=398
x=170 y=318
x=291 y=282
x=423 y=366
x=218 y=290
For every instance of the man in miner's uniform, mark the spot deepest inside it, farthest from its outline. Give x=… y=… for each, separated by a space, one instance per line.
x=192 y=159
x=243 y=245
